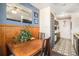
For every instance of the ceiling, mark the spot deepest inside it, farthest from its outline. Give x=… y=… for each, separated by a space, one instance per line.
x=59 y=8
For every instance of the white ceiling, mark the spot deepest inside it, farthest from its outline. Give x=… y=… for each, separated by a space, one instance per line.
x=59 y=8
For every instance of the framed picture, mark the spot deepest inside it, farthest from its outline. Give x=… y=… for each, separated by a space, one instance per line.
x=36 y=21
x=17 y=12
x=35 y=14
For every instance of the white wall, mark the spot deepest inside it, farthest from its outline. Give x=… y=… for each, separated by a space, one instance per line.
x=45 y=21
x=75 y=22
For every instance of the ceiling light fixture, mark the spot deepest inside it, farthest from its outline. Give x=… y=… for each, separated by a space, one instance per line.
x=14 y=10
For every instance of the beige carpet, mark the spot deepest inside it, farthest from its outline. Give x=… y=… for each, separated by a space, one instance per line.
x=64 y=47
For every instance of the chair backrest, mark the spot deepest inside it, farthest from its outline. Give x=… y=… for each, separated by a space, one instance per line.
x=46 y=49
x=41 y=36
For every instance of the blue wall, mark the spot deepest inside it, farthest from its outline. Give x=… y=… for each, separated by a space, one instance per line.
x=2 y=12
x=3 y=15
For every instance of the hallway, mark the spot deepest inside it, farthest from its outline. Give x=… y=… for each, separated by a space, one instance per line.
x=64 y=47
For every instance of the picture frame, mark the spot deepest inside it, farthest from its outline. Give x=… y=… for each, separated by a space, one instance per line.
x=36 y=21
x=35 y=14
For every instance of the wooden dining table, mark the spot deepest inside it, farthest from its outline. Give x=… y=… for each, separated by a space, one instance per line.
x=29 y=48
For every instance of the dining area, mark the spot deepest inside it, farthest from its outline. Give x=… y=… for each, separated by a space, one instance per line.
x=25 y=49
x=16 y=42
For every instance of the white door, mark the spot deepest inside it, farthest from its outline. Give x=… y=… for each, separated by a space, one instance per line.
x=64 y=27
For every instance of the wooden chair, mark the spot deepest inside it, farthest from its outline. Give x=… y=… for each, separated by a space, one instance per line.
x=45 y=50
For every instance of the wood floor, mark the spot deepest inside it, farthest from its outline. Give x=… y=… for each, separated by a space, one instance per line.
x=64 y=47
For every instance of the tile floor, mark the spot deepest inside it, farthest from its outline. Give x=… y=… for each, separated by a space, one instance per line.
x=65 y=47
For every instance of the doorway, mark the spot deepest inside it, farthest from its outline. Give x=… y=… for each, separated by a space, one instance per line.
x=64 y=45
